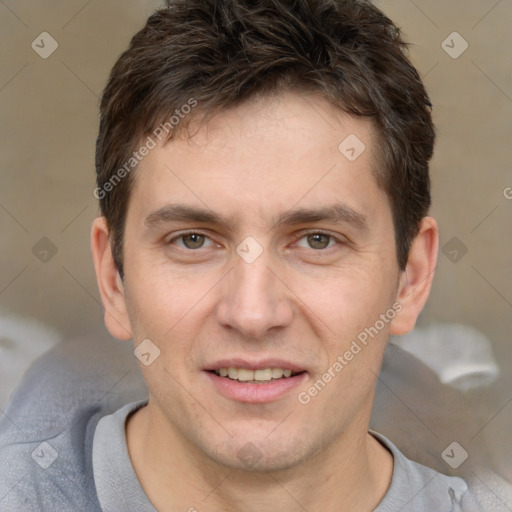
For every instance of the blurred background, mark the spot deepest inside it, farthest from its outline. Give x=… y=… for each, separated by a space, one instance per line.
x=55 y=59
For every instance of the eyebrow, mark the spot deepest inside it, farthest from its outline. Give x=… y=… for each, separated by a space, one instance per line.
x=336 y=213
x=181 y=212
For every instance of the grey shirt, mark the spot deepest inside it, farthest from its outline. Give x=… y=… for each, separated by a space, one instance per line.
x=414 y=488
x=49 y=430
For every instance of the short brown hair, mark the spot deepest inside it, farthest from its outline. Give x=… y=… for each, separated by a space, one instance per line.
x=220 y=53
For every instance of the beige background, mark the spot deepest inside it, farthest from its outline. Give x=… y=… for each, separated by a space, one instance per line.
x=49 y=122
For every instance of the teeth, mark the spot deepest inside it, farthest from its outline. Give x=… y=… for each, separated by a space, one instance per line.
x=277 y=373
x=263 y=374
x=245 y=375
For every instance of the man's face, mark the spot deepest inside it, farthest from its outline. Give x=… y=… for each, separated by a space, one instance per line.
x=257 y=244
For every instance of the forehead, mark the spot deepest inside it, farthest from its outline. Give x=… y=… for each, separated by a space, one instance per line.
x=265 y=155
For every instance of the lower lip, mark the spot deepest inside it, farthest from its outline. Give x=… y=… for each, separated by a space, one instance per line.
x=255 y=393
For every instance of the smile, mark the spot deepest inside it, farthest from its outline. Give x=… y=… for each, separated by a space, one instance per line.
x=255 y=376
x=258 y=385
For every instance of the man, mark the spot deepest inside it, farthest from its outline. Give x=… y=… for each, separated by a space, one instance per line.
x=262 y=171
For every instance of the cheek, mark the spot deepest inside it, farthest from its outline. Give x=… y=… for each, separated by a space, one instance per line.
x=346 y=315
x=346 y=298
x=163 y=305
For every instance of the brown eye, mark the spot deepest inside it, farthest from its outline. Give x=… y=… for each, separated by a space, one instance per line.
x=193 y=240
x=318 y=240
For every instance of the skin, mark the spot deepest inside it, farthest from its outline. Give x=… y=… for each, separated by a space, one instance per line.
x=301 y=301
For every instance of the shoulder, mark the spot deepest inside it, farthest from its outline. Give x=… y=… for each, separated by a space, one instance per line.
x=47 y=430
x=417 y=488
x=47 y=468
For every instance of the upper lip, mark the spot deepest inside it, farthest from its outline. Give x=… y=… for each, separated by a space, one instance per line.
x=256 y=365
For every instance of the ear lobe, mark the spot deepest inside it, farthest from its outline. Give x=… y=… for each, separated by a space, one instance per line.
x=416 y=280
x=109 y=282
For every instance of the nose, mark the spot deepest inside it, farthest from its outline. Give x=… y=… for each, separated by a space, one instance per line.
x=254 y=300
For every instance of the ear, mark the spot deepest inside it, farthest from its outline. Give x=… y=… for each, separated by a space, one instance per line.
x=416 y=279
x=109 y=282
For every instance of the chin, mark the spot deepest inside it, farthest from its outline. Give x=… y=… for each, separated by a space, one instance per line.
x=260 y=454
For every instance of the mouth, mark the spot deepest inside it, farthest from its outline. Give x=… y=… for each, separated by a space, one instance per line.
x=258 y=376
x=256 y=382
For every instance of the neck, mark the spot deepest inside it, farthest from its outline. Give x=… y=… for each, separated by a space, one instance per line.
x=353 y=473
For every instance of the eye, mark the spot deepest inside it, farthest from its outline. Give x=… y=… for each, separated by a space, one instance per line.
x=317 y=241
x=192 y=241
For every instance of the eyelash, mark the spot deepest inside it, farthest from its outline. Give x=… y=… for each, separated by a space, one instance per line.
x=303 y=235
x=187 y=233
x=331 y=238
